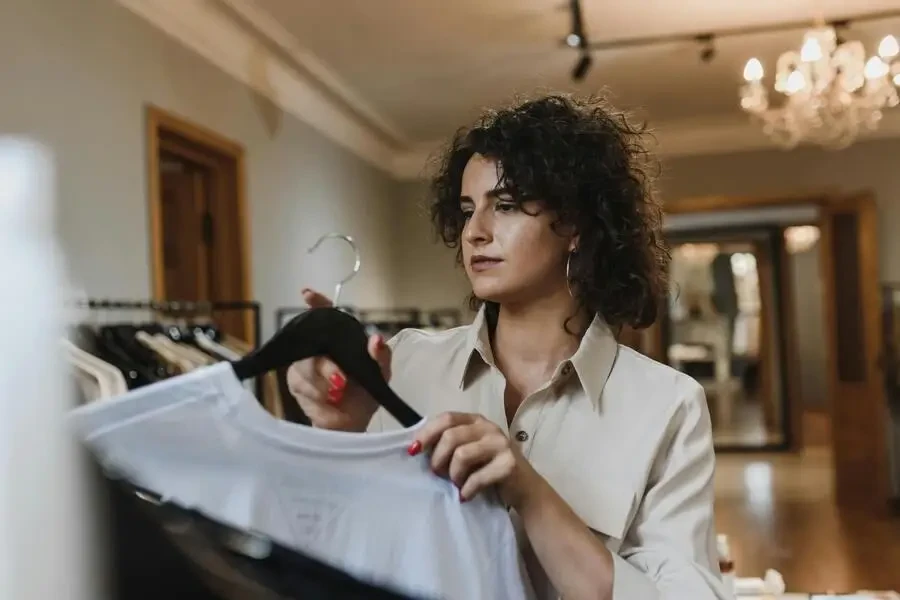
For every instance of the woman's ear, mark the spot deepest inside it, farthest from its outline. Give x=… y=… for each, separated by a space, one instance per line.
x=573 y=243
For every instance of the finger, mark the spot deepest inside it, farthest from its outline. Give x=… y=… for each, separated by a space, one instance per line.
x=330 y=376
x=301 y=369
x=326 y=416
x=299 y=372
x=314 y=299
x=498 y=469
x=451 y=440
x=381 y=352
x=431 y=431
x=468 y=458
x=304 y=391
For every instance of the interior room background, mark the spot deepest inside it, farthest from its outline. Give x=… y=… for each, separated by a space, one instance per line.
x=86 y=71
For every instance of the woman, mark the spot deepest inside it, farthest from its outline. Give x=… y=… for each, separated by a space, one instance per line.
x=604 y=457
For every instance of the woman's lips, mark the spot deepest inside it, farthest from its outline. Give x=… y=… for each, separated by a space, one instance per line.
x=484 y=263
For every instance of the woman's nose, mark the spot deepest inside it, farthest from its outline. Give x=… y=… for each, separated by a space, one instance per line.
x=478 y=228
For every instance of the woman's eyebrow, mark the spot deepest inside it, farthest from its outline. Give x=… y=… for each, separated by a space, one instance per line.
x=500 y=191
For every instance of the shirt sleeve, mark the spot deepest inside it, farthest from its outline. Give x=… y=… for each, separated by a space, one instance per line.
x=670 y=553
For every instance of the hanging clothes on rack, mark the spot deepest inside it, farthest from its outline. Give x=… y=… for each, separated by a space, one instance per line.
x=95 y=378
x=357 y=502
x=146 y=343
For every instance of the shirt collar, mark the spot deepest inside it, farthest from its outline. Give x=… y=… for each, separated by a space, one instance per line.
x=477 y=344
x=593 y=361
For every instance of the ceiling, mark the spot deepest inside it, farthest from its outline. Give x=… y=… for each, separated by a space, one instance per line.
x=418 y=69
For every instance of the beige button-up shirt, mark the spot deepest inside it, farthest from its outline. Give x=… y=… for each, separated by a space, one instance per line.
x=626 y=441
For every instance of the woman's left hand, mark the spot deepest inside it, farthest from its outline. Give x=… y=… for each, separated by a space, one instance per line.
x=475 y=454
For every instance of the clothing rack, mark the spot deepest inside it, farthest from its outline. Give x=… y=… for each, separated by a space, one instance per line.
x=180 y=308
x=416 y=317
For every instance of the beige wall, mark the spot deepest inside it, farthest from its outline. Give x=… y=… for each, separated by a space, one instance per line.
x=78 y=74
x=425 y=270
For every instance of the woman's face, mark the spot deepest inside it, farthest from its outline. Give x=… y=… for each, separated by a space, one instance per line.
x=509 y=255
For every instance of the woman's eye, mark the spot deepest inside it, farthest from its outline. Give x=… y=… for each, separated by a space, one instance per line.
x=467 y=214
x=507 y=207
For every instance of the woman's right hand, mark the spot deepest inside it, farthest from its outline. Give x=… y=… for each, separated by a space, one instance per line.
x=322 y=390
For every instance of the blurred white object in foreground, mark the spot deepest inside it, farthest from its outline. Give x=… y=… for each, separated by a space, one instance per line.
x=771 y=586
x=44 y=552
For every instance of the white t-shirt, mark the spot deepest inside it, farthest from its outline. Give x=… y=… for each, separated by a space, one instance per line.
x=356 y=501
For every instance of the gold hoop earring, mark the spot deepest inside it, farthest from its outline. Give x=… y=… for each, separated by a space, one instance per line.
x=568 y=280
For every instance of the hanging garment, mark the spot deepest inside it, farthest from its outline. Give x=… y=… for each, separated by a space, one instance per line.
x=358 y=502
x=214 y=348
x=109 y=380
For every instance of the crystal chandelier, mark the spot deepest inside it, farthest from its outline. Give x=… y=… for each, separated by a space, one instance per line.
x=832 y=92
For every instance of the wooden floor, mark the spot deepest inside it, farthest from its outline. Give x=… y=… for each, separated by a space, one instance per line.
x=779 y=513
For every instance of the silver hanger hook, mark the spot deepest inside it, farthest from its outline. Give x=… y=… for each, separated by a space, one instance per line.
x=340 y=284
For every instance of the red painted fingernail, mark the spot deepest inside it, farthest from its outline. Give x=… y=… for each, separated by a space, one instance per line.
x=461 y=497
x=337 y=382
x=414 y=448
x=335 y=395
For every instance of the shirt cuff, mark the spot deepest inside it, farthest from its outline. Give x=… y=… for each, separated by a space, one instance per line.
x=629 y=583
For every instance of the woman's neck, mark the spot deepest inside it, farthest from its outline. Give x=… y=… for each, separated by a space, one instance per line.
x=536 y=337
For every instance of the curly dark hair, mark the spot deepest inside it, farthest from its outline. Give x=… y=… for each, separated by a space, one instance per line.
x=584 y=161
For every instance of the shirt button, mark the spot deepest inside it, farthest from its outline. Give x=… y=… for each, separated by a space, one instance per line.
x=567 y=368
x=521 y=436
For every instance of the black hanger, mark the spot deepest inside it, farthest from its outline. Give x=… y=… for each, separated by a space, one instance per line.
x=333 y=333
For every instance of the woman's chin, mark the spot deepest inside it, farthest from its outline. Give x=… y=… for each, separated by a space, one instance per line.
x=491 y=293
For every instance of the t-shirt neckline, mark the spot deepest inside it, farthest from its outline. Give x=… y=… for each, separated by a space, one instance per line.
x=244 y=411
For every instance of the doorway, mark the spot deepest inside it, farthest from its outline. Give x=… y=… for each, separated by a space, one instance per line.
x=851 y=324
x=199 y=227
x=724 y=327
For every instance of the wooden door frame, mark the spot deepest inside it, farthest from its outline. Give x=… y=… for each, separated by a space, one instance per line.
x=822 y=199
x=769 y=346
x=157 y=121
x=862 y=204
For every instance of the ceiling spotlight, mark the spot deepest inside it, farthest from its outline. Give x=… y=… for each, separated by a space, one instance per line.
x=582 y=66
x=578 y=39
x=707 y=47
